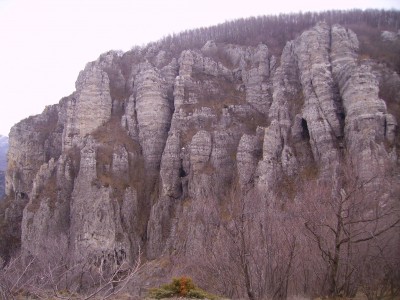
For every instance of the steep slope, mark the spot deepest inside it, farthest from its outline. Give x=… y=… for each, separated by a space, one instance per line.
x=154 y=152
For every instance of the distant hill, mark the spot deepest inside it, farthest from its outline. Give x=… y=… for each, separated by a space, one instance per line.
x=2 y=183
x=3 y=152
x=3 y=161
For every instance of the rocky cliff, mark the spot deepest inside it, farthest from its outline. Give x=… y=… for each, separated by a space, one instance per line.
x=148 y=151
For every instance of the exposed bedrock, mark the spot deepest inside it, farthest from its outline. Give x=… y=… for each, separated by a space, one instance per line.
x=154 y=147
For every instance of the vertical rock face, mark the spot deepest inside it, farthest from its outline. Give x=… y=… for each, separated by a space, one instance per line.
x=248 y=154
x=171 y=167
x=154 y=112
x=258 y=87
x=285 y=85
x=145 y=152
x=366 y=114
x=96 y=221
x=32 y=142
x=46 y=216
x=200 y=151
x=92 y=86
x=321 y=108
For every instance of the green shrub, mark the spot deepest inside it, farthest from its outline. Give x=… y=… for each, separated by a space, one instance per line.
x=180 y=287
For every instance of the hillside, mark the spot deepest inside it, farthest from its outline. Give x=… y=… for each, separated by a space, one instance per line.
x=259 y=157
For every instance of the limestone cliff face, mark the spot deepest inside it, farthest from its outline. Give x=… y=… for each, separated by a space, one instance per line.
x=82 y=116
x=366 y=114
x=96 y=217
x=32 y=143
x=145 y=151
x=153 y=111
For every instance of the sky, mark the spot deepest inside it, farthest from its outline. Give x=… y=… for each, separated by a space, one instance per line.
x=45 y=43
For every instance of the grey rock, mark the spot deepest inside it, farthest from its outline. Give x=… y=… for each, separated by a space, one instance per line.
x=129 y=119
x=248 y=154
x=171 y=168
x=391 y=127
x=145 y=155
x=210 y=48
x=96 y=231
x=365 y=111
x=200 y=151
x=44 y=218
x=255 y=78
x=389 y=36
x=159 y=226
x=154 y=112
x=32 y=142
x=92 y=86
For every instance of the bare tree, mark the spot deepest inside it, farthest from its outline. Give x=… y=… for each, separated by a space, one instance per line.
x=258 y=251
x=339 y=218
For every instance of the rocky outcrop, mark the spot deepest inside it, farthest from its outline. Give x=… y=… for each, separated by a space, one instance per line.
x=45 y=216
x=322 y=108
x=249 y=152
x=96 y=231
x=171 y=167
x=390 y=36
x=153 y=112
x=257 y=78
x=92 y=86
x=365 y=112
x=32 y=143
x=200 y=151
x=148 y=150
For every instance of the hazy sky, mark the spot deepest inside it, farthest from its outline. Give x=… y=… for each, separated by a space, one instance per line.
x=45 y=43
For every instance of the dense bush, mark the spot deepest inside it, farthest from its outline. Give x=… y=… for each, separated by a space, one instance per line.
x=180 y=287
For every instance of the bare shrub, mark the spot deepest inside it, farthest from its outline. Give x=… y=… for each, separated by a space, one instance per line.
x=35 y=277
x=254 y=254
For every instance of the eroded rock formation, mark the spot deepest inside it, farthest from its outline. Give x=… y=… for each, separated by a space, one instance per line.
x=145 y=152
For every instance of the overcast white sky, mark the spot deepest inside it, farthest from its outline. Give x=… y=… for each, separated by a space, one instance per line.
x=45 y=43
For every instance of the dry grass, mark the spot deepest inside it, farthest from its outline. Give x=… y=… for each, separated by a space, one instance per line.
x=373 y=46
x=110 y=136
x=213 y=92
